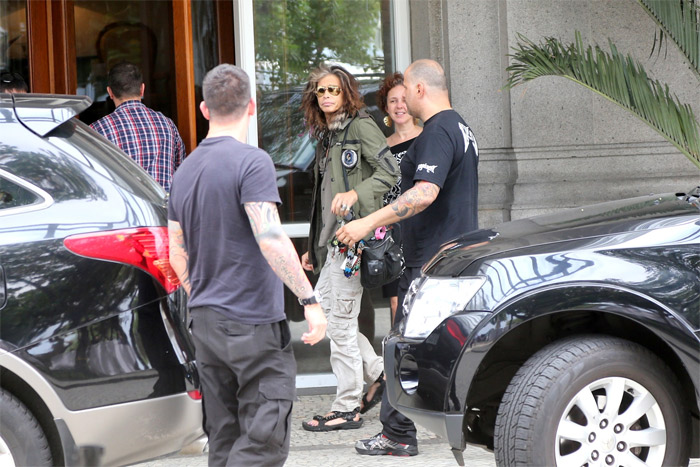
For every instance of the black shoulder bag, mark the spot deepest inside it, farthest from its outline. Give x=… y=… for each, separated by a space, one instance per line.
x=381 y=259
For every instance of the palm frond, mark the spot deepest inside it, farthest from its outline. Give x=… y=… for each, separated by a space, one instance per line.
x=680 y=21
x=619 y=79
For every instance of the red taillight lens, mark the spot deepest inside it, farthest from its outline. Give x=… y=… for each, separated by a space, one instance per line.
x=195 y=395
x=144 y=247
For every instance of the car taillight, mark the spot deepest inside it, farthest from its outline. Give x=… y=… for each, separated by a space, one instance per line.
x=195 y=395
x=144 y=247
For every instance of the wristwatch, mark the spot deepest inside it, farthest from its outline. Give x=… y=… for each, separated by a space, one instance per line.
x=312 y=300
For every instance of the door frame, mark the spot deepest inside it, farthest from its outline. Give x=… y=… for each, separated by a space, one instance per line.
x=52 y=56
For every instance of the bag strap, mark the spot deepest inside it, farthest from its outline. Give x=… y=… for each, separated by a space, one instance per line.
x=345 y=172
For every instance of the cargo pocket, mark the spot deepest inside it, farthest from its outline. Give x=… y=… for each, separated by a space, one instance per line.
x=346 y=308
x=270 y=426
x=341 y=320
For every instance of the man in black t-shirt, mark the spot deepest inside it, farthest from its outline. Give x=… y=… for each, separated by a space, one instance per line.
x=439 y=183
x=229 y=251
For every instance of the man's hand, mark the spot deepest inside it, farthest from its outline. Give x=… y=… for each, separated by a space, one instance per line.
x=354 y=231
x=305 y=262
x=317 y=324
x=410 y=203
x=342 y=202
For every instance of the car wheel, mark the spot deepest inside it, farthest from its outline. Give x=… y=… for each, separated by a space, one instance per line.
x=592 y=400
x=22 y=441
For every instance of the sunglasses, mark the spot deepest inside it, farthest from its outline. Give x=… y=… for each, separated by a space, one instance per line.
x=334 y=90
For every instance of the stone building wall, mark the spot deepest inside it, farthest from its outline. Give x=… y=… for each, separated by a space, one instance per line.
x=552 y=144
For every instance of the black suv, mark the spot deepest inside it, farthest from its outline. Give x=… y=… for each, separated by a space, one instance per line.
x=568 y=339
x=95 y=360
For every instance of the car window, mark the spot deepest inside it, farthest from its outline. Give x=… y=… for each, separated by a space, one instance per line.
x=19 y=195
x=85 y=146
x=13 y=195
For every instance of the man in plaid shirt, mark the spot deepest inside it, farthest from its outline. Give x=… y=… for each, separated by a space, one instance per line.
x=149 y=137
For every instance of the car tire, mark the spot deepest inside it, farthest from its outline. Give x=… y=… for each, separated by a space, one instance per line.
x=22 y=441
x=555 y=410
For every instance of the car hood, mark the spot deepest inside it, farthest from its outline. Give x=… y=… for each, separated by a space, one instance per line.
x=627 y=215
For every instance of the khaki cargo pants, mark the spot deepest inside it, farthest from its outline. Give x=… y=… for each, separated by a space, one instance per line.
x=353 y=359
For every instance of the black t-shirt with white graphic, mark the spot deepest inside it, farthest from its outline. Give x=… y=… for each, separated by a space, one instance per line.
x=445 y=154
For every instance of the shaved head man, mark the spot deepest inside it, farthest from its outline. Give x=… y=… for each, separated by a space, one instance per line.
x=439 y=185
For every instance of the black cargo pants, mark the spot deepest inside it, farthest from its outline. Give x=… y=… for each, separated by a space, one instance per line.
x=248 y=384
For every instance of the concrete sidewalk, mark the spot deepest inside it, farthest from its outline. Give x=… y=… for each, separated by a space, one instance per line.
x=337 y=448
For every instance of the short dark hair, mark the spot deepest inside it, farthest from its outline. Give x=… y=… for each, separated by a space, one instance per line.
x=226 y=90
x=389 y=83
x=125 y=80
x=12 y=82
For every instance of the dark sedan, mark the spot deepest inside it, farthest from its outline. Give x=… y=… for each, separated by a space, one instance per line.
x=95 y=360
x=568 y=339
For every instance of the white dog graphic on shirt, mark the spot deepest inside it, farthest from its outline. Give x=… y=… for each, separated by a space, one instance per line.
x=427 y=168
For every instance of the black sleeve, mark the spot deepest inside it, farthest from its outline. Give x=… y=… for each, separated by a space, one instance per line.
x=433 y=156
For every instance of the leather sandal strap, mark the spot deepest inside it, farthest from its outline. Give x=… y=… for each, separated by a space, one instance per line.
x=348 y=416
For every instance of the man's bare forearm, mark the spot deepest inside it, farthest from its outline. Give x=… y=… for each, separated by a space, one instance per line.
x=179 y=259
x=277 y=248
x=415 y=200
x=408 y=204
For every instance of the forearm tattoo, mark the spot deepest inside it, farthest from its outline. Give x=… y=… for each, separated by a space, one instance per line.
x=264 y=219
x=277 y=248
x=179 y=259
x=415 y=200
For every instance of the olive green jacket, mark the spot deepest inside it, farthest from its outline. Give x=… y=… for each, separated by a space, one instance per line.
x=375 y=172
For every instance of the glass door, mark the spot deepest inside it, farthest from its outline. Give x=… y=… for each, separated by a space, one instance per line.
x=110 y=31
x=291 y=38
x=14 y=51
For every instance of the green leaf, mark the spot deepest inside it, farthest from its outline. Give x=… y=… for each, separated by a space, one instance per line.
x=619 y=79
x=680 y=21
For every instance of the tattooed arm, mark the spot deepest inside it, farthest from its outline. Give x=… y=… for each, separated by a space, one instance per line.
x=415 y=200
x=282 y=257
x=277 y=248
x=179 y=260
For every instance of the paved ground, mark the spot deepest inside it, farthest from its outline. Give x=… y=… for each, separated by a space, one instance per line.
x=337 y=448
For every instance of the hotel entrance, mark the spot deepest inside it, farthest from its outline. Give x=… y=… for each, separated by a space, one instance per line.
x=68 y=46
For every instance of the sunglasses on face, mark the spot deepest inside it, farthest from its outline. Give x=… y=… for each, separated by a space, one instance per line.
x=334 y=90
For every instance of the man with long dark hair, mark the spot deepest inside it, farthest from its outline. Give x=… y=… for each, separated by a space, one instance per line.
x=352 y=171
